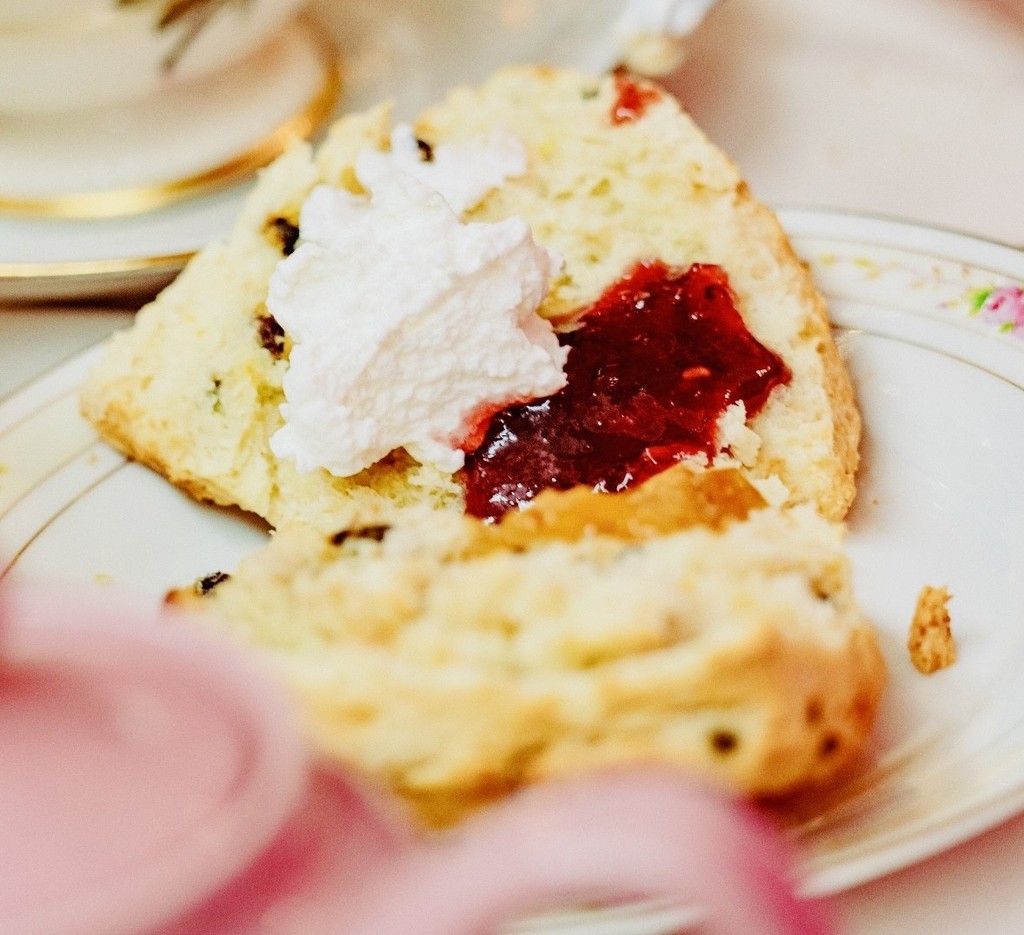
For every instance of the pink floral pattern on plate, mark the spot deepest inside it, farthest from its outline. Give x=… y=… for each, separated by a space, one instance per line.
x=926 y=285
x=1002 y=307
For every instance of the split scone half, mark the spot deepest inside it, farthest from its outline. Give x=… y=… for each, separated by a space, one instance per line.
x=616 y=174
x=456 y=661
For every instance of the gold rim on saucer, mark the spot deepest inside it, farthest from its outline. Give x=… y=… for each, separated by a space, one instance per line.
x=108 y=203
x=83 y=280
x=93 y=267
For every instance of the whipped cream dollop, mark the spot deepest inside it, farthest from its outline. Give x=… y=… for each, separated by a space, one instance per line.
x=410 y=327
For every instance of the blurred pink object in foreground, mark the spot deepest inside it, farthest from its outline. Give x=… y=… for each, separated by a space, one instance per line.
x=152 y=783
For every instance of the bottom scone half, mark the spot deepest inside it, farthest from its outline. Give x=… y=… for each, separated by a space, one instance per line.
x=456 y=665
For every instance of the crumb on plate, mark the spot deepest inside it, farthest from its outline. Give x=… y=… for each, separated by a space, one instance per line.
x=931 y=642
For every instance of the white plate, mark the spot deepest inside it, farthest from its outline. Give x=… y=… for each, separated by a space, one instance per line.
x=941 y=384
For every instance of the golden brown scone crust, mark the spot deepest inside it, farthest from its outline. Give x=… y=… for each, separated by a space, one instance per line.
x=930 y=642
x=193 y=391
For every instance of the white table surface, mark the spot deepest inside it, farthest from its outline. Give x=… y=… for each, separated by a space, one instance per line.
x=913 y=109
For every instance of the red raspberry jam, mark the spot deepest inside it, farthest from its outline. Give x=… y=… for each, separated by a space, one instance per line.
x=659 y=358
x=631 y=99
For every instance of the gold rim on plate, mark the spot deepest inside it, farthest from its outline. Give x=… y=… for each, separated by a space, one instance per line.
x=108 y=203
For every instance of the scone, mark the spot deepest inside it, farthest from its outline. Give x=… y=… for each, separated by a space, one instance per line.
x=615 y=175
x=456 y=660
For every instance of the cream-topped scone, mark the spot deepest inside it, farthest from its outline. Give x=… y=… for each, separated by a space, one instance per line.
x=557 y=185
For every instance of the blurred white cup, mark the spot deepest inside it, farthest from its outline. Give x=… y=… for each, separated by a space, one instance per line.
x=62 y=55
